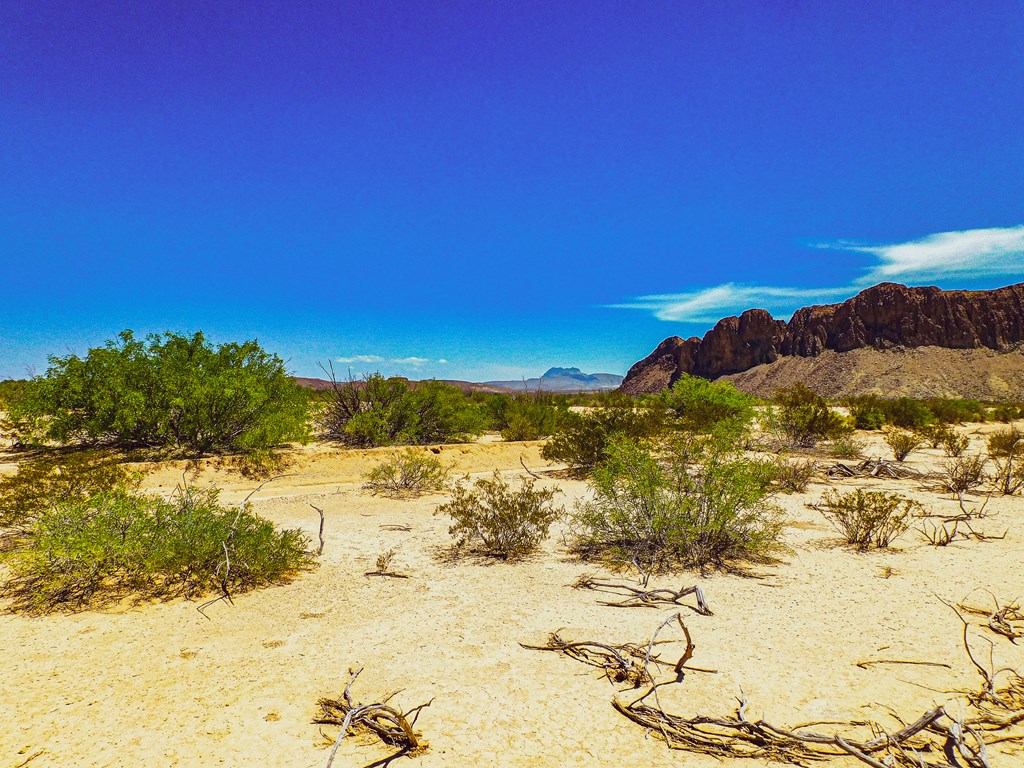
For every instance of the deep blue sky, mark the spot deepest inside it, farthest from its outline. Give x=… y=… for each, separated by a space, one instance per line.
x=479 y=181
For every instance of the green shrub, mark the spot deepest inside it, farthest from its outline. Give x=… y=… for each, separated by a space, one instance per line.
x=581 y=440
x=706 y=506
x=846 y=447
x=89 y=552
x=526 y=415
x=411 y=473
x=956 y=411
x=902 y=443
x=935 y=435
x=792 y=476
x=1005 y=413
x=505 y=522
x=963 y=473
x=866 y=411
x=1006 y=442
x=908 y=413
x=378 y=411
x=868 y=519
x=169 y=391
x=52 y=480
x=805 y=417
x=699 y=405
x=954 y=445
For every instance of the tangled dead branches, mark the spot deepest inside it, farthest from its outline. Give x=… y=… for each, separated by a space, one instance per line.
x=621 y=663
x=390 y=725
x=958 y=740
x=640 y=597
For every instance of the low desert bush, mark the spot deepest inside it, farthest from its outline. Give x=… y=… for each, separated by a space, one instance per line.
x=1008 y=477
x=963 y=473
x=502 y=521
x=806 y=418
x=792 y=476
x=410 y=473
x=1006 y=442
x=115 y=544
x=527 y=415
x=902 y=443
x=703 y=508
x=868 y=519
x=699 y=405
x=934 y=435
x=582 y=439
x=954 y=445
x=1006 y=413
x=846 y=447
x=377 y=411
x=52 y=480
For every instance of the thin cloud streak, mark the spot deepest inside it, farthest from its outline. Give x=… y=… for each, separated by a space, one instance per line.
x=967 y=254
x=411 y=362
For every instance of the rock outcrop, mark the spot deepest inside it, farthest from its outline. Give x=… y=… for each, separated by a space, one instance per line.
x=885 y=316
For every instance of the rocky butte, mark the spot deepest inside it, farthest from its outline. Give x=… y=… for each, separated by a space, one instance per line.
x=887 y=316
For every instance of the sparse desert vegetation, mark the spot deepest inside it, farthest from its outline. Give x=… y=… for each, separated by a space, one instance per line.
x=679 y=502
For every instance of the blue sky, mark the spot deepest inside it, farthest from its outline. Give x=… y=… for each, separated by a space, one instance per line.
x=500 y=186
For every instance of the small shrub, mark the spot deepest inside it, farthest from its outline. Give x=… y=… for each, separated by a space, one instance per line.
x=868 y=519
x=384 y=561
x=846 y=447
x=805 y=417
x=935 y=435
x=582 y=439
x=1006 y=442
x=704 y=507
x=1008 y=477
x=506 y=522
x=88 y=552
x=793 y=476
x=53 y=480
x=954 y=445
x=410 y=473
x=902 y=443
x=963 y=473
x=1006 y=413
x=527 y=416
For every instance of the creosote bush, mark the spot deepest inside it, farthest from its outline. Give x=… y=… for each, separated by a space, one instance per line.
x=806 y=418
x=846 y=447
x=702 y=504
x=52 y=480
x=115 y=544
x=963 y=473
x=699 y=405
x=410 y=473
x=868 y=519
x=902 y=443
x=954 y=445
x=1006 y=442
x=500 y=520
x=525 y=415
x=582 y=439
x=377 y=411
x=793 y=476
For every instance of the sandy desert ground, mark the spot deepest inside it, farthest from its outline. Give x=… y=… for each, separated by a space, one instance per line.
x=160 y=685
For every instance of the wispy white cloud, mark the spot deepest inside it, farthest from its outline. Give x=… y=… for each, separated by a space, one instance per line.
x=967 y=254
x=971 y=253
x=707 y=305
x=410 y=362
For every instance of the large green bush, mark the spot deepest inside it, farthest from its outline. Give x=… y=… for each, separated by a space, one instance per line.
x=704 y=505
x=171 y=390
x=118 y=544
x=700 y=405
x=376 y=411
x=582 y=439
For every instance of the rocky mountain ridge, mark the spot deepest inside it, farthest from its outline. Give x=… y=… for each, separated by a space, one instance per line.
x=884 y=317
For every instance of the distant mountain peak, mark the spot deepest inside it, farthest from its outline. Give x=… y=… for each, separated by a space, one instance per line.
x=563 y=372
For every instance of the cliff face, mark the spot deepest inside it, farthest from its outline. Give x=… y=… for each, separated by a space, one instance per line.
x=885 y=316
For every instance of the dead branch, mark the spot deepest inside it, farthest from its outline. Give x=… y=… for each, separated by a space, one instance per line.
x=320 y=549
x=528 y=470
x=390 y=725
x=638 y=597
x=873 y=468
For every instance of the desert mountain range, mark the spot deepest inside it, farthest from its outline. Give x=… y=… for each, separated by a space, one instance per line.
x=889 y=339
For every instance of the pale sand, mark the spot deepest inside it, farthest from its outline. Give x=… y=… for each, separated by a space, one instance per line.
x=159 y=685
